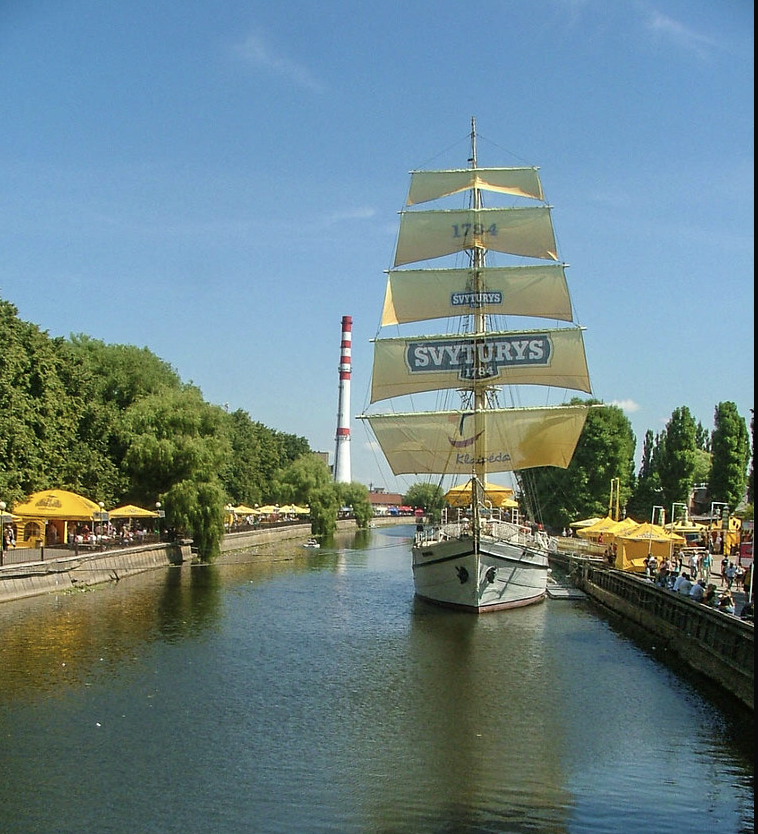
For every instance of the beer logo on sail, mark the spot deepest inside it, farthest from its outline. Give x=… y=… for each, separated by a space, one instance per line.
x=461 y=442
x=474 y=359
x=475 y=300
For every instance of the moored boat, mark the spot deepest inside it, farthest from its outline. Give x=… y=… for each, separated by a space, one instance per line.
x=481 y=557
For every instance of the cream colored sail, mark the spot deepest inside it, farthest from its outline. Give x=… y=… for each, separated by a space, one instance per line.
x=410 y=365
x=438 y=442
x=419 y=294
x=517 y=231
x=431 y=185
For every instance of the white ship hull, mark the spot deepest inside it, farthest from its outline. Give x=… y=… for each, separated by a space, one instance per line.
x=453 y=572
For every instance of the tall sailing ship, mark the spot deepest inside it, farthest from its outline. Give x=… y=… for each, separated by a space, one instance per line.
x=480 y=558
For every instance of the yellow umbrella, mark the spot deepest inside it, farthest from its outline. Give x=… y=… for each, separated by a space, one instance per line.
x=243 y=509
x=268 y=509
x=57 y=503
x=587 y=522
x=294 y=509
x=460 y=496
x=132 y=511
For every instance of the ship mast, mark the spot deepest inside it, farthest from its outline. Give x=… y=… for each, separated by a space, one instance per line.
x=477 y=262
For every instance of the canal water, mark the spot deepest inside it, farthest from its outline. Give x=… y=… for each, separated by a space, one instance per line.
x=313 y=694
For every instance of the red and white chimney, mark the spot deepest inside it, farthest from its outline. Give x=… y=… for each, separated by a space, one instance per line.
x=342 y=453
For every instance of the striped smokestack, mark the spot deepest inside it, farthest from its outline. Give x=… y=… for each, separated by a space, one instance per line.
x=342 y=454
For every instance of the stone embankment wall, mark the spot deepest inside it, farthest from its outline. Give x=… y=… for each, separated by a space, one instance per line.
x=64 y=573
x=58 y=571
x=717 y=645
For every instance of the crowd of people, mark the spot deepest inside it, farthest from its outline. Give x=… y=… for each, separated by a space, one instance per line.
x=689 y=573
x=124 y=534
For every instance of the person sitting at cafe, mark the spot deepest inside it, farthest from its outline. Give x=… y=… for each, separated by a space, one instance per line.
x=726 y=603
x=711 y=596
x=697 y=592
x=683 y=584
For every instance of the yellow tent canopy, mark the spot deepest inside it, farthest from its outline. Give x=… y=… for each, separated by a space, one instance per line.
x=594 y=531
x=243 y=509
x=586 y=522
x=618 y=528
x=132 y=511
x=57 y=503
x=635 y=545
x=268 y=509
x=460 y=496
x=652 y=532
x=294 y=509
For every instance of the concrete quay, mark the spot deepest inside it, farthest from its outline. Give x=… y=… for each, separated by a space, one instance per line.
x=717 y=645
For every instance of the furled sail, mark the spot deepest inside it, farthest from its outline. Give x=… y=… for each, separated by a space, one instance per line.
x=517 y=231
x=431 y=185
x=409 y=365
x=438 y=442
x=419 y=294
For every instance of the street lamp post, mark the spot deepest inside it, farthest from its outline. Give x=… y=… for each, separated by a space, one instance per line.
x=100 y=516
x=161 y=514
x=3 y=505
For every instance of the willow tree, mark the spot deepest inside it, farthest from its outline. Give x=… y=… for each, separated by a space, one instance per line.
x=176 y=449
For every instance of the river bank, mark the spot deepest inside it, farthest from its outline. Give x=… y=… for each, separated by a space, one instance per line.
x=59 y=570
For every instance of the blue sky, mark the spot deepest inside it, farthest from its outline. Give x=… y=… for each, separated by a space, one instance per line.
x=219 y=182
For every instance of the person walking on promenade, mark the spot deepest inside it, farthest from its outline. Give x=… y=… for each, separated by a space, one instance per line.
x=694 y=565
x=724 y=564
x=705 y=565
x=731 y=572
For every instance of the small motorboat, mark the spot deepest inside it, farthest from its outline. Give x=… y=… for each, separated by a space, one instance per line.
x=312 y=544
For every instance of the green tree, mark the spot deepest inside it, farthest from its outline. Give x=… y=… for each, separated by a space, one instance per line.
x=195 y=507
x=301 y=478
x=731 y=453
x=429 y=497
x=355 y=495
x=605 y=452
x=677 y=459
x=38 y=417
x=647 y=491
x=242 y=476
x=324 y=505
x=176 y=450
